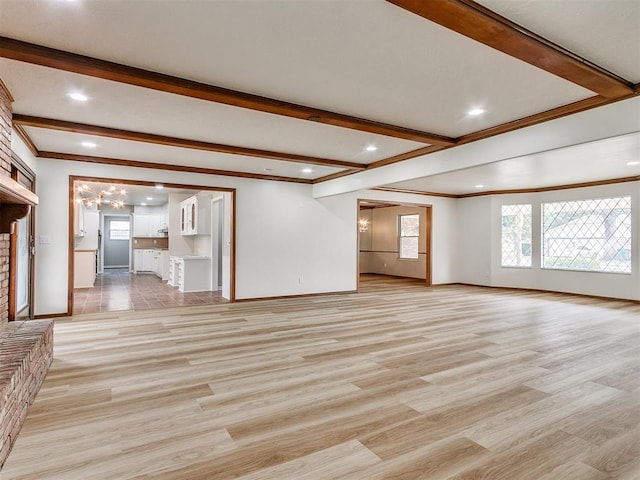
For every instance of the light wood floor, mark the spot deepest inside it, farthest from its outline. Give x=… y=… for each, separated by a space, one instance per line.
x=396 y=382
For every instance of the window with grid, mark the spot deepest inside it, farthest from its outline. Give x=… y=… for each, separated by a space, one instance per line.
x=118 y=230
x=516 y=235
x=592 y=235
x=409 y=235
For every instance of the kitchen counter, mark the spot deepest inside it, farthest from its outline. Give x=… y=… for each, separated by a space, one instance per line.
x=190 y=273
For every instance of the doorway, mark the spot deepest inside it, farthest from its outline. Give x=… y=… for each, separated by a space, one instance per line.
x=394 y=240
x=115 y=241
x=140 y=242
x=21 y=251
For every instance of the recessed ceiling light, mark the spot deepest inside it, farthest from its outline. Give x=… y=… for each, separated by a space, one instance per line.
x=633 y=162
x=307 y=170
x=149 y=198
x=143 y=204
x=159 y=186
x=80 y=97
x=89 y=144
x=479 y=185
x=474 y=112
x=371 y=148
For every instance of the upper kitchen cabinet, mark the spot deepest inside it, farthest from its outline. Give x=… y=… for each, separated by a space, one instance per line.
x=150 y=223
x=78 y=219
x=194 y=215
x=140 y=225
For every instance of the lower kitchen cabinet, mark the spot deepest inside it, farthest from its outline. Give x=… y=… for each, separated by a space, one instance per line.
x=148 y=260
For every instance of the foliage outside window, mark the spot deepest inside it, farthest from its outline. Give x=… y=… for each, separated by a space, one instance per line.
x=119 y=230
x=409 y=235
x=516 y=235
x=592 y=235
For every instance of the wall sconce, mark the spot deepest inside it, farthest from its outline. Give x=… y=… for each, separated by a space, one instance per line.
x=363 y=225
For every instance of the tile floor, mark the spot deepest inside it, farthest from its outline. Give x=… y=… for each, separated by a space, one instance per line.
x=118 y=289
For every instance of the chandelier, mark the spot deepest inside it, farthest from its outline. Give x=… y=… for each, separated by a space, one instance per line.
x=363 y=225
x=113 y=196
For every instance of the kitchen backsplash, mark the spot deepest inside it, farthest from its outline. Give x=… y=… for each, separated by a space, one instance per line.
x=150 y=242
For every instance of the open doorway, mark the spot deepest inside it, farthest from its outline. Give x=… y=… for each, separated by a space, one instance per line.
x=114 y=243
x=394 y=241
x=138 y=245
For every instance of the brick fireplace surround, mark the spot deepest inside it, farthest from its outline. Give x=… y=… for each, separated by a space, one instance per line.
x=26 y=348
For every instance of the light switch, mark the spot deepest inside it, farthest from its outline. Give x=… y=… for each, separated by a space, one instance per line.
x=44 y=240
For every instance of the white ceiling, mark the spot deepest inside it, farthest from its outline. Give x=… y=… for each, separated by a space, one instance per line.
x=129 y=150
x=606 y=32
x=365 y=58
x=42 y=92
x=604 y=159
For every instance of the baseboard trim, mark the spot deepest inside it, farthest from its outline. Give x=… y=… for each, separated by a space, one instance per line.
x=302 y=295
x=540 y=290
x=51 y=315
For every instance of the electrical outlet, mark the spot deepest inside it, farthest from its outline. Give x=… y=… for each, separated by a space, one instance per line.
x=300 y=279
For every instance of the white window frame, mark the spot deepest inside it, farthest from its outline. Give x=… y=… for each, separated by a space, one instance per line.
x=401 y=236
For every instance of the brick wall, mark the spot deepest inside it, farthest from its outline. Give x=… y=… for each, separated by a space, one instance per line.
x=6 y=113
x=26 y=352
x=26 y=348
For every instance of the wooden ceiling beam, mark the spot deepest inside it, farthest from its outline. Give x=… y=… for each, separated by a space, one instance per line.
x=164 y=166
x=94 y=67
x=487 y=27
x=52 y=124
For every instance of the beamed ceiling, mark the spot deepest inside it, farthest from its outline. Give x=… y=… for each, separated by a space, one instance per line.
x=310 y=91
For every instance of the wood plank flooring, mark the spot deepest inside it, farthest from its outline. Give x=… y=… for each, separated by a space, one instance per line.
x=398 y=381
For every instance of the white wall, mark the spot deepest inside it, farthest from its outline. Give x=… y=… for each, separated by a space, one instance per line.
x=483 y=245
x=23 y=152
x=474 y=240
x=290 y=244
x=89 y=241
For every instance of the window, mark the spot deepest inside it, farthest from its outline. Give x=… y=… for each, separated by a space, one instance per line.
x=118 y=230
x=516 y=235
x=409 y=234
x=592 y=235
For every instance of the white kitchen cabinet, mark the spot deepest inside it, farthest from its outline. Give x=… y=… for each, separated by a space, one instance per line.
x=144 y=260
x=149 y=263
x=149 y=225
x=140 y=225
x=137 y=260
x=161 y=263
x=78 y=219
x=194 y=215
x=157 y=222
